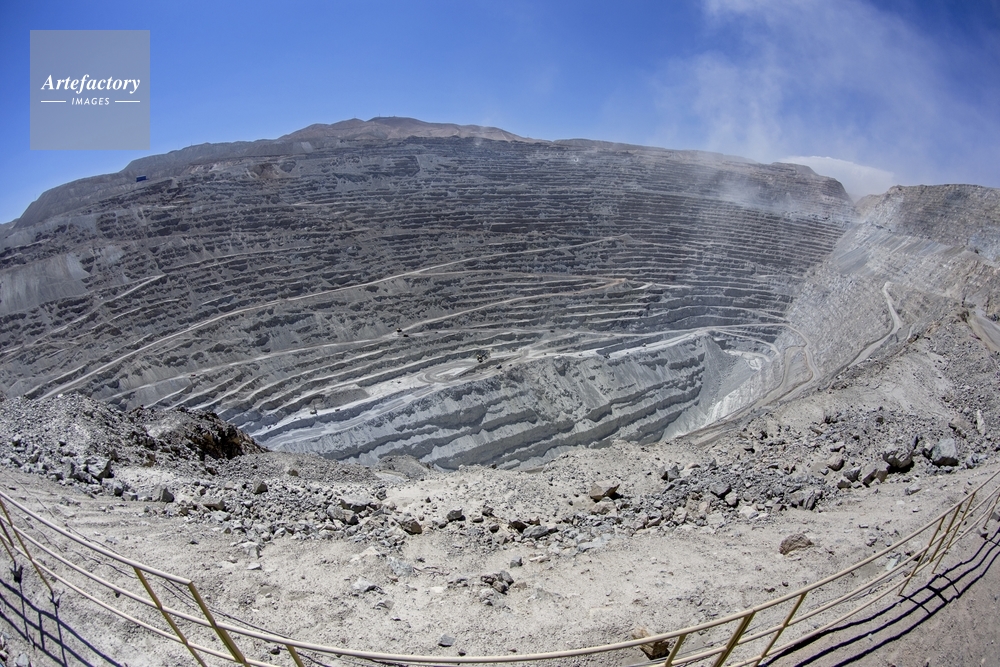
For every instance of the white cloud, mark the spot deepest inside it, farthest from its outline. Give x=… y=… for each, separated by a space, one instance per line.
x=841 y=79
x=857 y=179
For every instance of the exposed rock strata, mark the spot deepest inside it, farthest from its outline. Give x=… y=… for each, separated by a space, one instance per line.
x=460 y=295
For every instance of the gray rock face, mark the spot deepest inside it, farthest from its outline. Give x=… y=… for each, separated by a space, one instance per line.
x=454 y=294
x=955 y=215
x=899 y=455
x=945 y=453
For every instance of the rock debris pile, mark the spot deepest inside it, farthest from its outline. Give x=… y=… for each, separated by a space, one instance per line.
x=219 y=477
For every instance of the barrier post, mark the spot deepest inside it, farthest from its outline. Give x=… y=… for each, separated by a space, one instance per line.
x=170 y=621
x=27 y=554
x=734 y=639
x=8 y=543
x=989 y=514
x=777 y=633
x=923 y=553
x=958 y=529
x=295 y=655
x=223 y=635
x=673 y=652
x=947 y=531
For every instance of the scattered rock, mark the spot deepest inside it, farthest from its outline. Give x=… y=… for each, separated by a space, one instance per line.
x=356 y=503
x=498 y=581
x=538 y=532
x=945 y=453
x=259 y=487
x=410 y=525
x=670 y=473
x=793 y=543
x=603 y=489
x=446 y=641
x=213 y=503
x=899 y=455
x=720 y=489
x=605 y=506
x=874 y=472
x=399 y=567
x=455 y=515
x=162 y=494
x=363 y=586
x=655 y=650
x=835 y=462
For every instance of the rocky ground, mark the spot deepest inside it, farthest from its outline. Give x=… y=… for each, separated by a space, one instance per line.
x=404 y=558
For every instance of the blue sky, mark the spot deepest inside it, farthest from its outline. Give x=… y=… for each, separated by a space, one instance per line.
x=874 y=92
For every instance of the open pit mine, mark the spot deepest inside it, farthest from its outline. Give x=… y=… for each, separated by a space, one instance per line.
x=467 y=296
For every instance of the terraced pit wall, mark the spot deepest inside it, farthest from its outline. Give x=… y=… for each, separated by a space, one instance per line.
x=464 y=300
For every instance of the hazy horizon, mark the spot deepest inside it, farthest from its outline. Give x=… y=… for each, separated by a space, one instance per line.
x=871 y=92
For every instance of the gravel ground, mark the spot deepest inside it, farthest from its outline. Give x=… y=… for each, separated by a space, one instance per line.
x=578 y=551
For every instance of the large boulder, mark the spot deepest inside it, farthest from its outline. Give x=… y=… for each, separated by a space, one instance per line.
x=872 y=472
x=794 y=543
x=899 y=455
x=654 y=650
x=603 y=489
x=945 y=453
